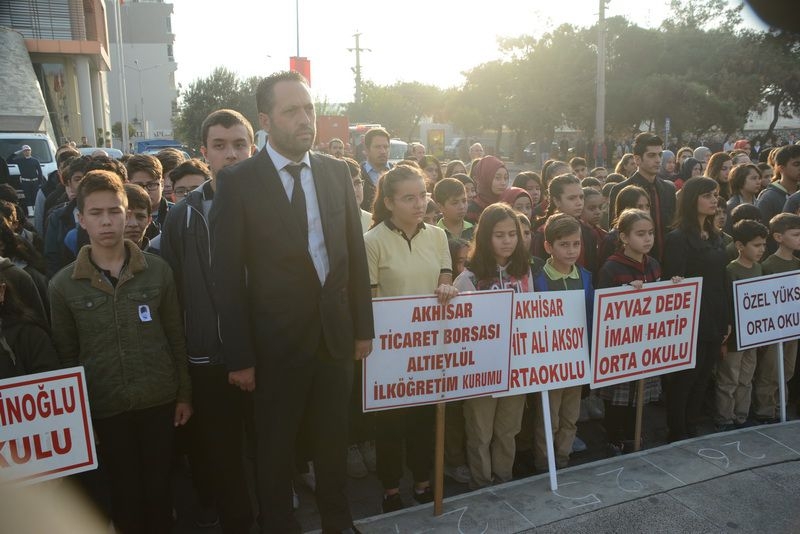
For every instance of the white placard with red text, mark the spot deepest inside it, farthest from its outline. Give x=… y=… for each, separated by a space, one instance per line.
x=642 y=333
x=767 y=309
x=425 y=353
x=45 y=426
x=549 y=342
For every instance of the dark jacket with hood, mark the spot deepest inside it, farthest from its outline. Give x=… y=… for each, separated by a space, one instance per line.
x=186 y=246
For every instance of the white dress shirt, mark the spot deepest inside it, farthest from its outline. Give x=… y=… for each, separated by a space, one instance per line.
x=316 y=237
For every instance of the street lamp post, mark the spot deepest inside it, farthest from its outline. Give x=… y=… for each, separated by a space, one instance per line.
x=139 y=70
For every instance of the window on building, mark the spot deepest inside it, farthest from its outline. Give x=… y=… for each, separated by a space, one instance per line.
x=170 y=55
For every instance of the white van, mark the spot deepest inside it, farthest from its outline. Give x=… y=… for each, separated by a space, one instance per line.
x=42 y=148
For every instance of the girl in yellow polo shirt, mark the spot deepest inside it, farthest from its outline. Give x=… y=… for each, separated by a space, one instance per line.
x=406 y=257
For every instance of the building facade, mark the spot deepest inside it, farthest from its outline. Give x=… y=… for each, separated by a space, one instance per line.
x=60 y=87
x=149 y=67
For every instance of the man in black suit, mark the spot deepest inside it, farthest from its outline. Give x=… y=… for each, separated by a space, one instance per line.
x=292 y=289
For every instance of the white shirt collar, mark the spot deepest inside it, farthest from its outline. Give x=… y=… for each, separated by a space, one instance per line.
x=282 y=161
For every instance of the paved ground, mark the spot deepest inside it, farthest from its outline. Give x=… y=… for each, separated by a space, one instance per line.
x=694 y=466
x=746 y=481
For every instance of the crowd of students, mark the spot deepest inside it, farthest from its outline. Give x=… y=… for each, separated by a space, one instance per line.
x=126 y=247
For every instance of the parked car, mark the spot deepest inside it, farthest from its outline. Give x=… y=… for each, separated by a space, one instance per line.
x=455 y=148
x=397 y=150
x=42 y=148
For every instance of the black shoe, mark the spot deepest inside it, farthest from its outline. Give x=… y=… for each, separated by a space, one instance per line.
x=425 y=497
x=392 y=503
x=206 y=518
x=747 y=424
x=725 y=427
x=524 y=464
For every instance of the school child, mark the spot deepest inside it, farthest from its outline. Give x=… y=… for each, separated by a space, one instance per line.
x=115 y=311
x=566 y=196
x=519 y=200
x=405 y=257
x=560 y=273
x=721 y=219
x=523 y=460
x=451 y=196
x=734 y=372
x=592 y=211
x=532 y=183
x=605 y=224
x=459 y=252
x=785 y=231
x=742 y=212
x=491 y=180
x=432 y=213
x=631 y=197
x=469 y=185
x=455 y=458
x=525 y=228
x=695 y=249
x=745 y=181
x=358 y=189
x=139 y=215
x=499 y=260
x=629 y=265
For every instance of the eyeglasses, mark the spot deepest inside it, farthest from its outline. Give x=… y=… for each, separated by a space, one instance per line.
x=181 y=191
x=151 y=186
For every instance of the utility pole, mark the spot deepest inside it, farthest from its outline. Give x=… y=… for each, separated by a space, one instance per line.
x=357 y=69
x=297 y=22
x=123 y=94
x=600 y=117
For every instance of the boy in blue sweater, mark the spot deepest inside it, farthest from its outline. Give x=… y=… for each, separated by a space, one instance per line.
x=562 y=235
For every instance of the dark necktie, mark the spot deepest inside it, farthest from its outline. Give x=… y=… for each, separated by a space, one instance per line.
x=298 y=200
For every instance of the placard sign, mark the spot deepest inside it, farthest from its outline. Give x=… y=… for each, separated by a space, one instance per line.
x=549 y=342
x=45 y=426
x=647 y=332
x=425 y=352
x=767 y=309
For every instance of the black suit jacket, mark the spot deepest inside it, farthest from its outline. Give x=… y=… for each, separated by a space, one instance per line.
x=273 y=310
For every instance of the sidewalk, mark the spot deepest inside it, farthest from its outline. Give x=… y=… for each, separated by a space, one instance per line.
x=746 y=480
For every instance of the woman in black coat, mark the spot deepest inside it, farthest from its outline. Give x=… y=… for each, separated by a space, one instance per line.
x=695 y=249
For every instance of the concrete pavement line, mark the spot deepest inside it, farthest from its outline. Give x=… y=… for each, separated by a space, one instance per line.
x=681 y=482
x=778 y=442
x=531 y=523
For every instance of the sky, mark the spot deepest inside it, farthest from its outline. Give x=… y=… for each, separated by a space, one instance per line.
x=430 y=41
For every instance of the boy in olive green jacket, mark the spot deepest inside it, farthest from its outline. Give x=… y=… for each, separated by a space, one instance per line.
x=115 y=311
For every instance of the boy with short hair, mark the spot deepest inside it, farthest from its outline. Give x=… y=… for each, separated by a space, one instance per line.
x=451 y=196
x=579 y=169
x=170 y=158
x=562 y=236
x=469 y=185
x=784 y=183
x=785 y=230
x=115 y=311
x=187 y=177
x=735 y=370
x=216 y=446
x=147 y=171
x=138 y=215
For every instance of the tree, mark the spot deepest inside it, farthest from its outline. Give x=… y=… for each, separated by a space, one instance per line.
x=399 y=107
x=116 y=129
x=222 y=89
x=779 y=74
